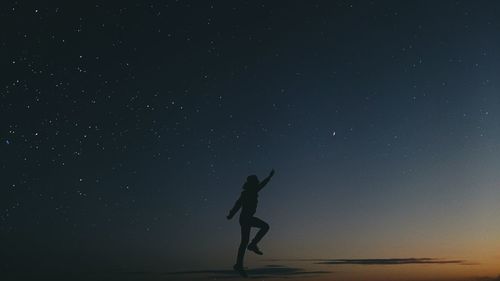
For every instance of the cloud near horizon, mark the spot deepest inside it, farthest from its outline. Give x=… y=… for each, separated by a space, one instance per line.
x=489 y=278
x=389 y=261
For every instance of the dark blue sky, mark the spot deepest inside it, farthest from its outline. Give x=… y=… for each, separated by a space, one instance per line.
x=128 y=129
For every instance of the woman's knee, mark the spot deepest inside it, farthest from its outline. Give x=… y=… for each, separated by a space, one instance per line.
x=265 y=226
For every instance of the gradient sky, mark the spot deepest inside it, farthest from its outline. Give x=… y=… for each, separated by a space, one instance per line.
x=128 y=129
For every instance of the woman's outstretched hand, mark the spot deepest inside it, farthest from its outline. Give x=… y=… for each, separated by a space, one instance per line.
x=271 y=173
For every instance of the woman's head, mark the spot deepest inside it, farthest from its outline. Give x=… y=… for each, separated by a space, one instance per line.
x=252 y=181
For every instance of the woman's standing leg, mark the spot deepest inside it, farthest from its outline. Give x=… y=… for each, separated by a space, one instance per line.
x=245 y=237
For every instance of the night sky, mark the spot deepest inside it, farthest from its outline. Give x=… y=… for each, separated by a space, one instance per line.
x=128 y=129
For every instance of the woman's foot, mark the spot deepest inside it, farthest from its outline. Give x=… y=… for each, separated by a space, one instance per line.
x=239 y=268
x=255 y=249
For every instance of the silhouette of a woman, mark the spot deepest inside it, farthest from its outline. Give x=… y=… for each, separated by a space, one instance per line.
x=248 y=204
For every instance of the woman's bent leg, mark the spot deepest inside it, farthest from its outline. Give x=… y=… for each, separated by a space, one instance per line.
x=263 y=229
